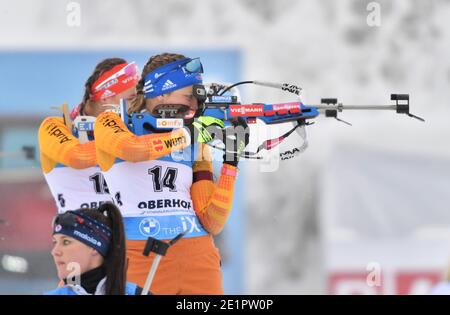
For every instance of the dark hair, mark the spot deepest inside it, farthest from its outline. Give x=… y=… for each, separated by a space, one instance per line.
x=115 y=260
x=153 y=63
x=100 y=68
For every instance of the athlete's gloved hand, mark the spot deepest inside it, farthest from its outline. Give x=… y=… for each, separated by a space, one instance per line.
x=205 y=128
x=237 y=137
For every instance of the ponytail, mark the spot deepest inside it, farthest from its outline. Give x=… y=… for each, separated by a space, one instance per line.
x=115 y=260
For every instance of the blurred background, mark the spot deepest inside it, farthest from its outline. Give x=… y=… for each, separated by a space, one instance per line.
x=364 y=210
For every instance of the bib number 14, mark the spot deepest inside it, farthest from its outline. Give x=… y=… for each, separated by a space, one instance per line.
x=168 y=180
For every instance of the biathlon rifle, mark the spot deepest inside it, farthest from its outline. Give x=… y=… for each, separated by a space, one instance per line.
x=217 y=103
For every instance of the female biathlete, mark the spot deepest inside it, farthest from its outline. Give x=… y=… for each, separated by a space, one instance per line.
x=70 y=167
x=164 y=194
x=89 y=252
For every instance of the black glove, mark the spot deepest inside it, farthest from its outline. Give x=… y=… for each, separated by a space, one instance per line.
x=236 y=140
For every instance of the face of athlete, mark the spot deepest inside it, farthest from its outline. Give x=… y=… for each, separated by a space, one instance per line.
x=73 y=257
x=97 y=108
x=184 y=97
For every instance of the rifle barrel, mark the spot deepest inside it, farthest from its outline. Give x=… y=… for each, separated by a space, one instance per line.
x=355 y=107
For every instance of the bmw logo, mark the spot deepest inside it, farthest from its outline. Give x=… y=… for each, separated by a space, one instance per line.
x=149 y=227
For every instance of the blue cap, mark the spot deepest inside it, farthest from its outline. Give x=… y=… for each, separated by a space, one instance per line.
x=173 y=76
x=85 y=229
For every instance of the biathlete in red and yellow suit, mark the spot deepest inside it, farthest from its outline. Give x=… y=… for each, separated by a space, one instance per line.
x=70 y=167
x=163 y=196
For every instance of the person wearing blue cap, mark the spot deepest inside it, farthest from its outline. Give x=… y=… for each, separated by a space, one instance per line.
x=89 y=253
x=169 y=194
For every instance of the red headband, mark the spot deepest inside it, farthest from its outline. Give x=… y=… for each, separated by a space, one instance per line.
x=115 y=81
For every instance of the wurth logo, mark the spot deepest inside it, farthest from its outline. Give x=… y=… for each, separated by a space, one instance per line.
x=158 y=145
x=246 y=110
x=175 y=142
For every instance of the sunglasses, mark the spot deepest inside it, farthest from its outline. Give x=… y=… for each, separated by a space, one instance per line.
x=188 y=65
x=194 y=66
x=130 y=70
